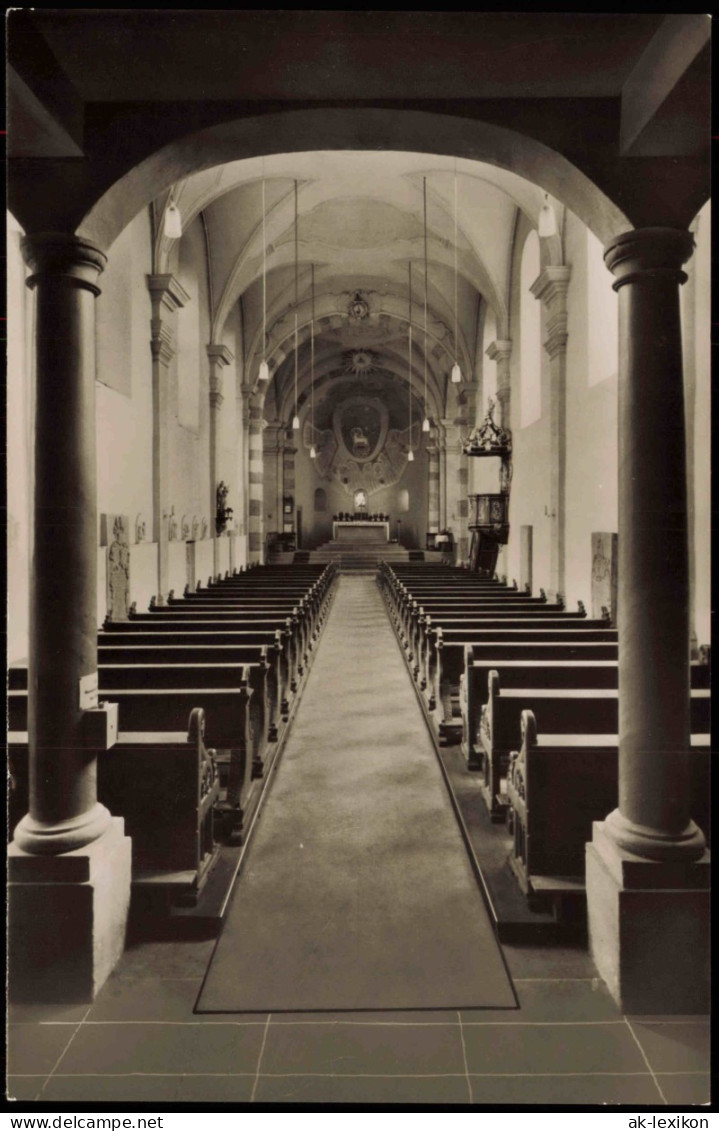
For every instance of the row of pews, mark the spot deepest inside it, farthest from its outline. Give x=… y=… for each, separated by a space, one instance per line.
x=529 y=691
x=205 y=686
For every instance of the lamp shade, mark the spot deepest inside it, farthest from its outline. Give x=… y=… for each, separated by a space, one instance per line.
x=313 y=452
x=456 y=374
x=410 y=456
x=547 y=225
x=264 y=374
x=295 y=423
x=173 y=222
x=425 y=425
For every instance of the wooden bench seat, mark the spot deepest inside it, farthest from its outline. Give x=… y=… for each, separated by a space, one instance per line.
x=231 y=724
x=557 y=786
x=572 y=671
x=440 y=662
x=166 y=632
x=558 y=710
x=166 y=787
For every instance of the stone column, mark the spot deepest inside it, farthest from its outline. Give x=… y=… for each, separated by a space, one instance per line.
x=242 y=521
x=256 y=529
x=167 y=296
x=442 y=464
x=288 y=479
x=457 y=486
x=273 y=447
x=69 y=867
x=432 y=486
x=219 y=356
x=501 y=352
x=551 y=290
x=647 y=870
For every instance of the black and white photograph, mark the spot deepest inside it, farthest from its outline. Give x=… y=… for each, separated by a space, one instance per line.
x=358 y=559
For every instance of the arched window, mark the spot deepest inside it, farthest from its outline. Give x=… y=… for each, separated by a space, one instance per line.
x=530 y=335
x=602 y=316
x=320 y=499
x=403 y=501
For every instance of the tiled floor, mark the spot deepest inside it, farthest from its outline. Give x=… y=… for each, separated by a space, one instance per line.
x=567 y=1044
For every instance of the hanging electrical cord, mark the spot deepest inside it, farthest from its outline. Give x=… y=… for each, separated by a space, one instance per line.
x=296 y=418
x=456 y=371
x=425 y=422
x=313 y=450
x=264 y=374
x=410 y=453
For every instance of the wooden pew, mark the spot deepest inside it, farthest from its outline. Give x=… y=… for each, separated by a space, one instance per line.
x=208 y=633
x=585 y=710
x=415 y=612
x=166 y=786
x=487 y=618
x=159 y=700
x=532 y=665
x=557 y=785
x=441 y=656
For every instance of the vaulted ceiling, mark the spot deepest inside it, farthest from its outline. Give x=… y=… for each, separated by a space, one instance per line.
x=359 y=242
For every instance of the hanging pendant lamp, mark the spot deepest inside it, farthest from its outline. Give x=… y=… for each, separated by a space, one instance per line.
x=456 y=371
x=173 y=220
x=313 y=450
x=410 y=453
x=547 y=225
x=425 y=422
x=296 y=418
x=264 y=374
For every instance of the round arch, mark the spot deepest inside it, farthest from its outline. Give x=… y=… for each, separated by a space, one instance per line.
x=292 y=131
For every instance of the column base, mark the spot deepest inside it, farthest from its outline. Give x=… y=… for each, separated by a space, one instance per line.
x=649 y=925
x=67 y=916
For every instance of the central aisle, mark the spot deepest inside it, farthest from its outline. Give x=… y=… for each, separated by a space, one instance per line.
x=356 y=891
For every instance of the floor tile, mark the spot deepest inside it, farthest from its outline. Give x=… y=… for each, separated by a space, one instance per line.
x=675 y=1047
x=692 y=1088
x=363 y=1049
x=371 y=1017
x=166 y=959
x=552 y=1049
x=569 y=1090
x=549 y=962
x=26 y=1013
x=113 y=1089
x=163 y=1049
x=217 y=1089
x=569 y=1000
x=36 y=1048
x=362 y=1090
x=150 y=999
x=24 y=1087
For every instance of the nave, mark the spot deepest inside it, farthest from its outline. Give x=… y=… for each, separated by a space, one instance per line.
x=378 y=288
x=356 y=862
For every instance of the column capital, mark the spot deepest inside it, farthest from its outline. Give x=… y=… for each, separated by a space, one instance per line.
x=56 y=254
x=551 y=289
x=219 y=354
x=167 y=291
x=499 y=350
x=649 y=253
x=551 y=284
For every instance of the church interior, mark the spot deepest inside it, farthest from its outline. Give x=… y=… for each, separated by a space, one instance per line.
x=358 y=558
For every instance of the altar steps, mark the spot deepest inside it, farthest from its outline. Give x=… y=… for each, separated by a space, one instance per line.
x=363 y=558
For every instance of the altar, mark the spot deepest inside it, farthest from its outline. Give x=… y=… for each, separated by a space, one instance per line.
x=357 y=531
